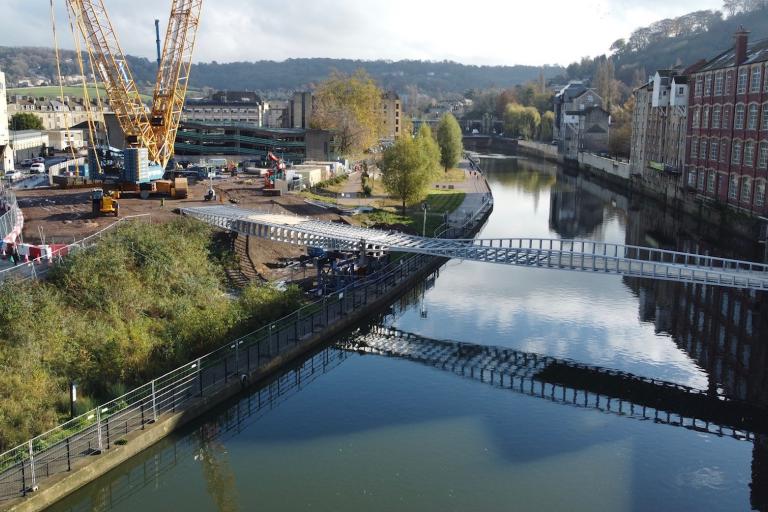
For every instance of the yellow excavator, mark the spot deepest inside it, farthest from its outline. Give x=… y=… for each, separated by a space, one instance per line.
x=105 y=203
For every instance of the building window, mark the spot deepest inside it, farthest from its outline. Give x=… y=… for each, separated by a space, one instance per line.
x=726 y=117
x=724 y=150
x=696 y=118
x=717 y=114
x=764 y=122
x=733 y=188
x=749 y=153
x=746 y=190
x=705 y=118
x=753 y=116
x=694 y=148
x=702 y=177
x=699 y=85
x=692 y=179
x=738 y=118
x=741 y=85
x=719 y=84
x=708 y=85
x=703 y=150
x=728 y=83
x=736 y=152
x=714 y=146
x=711 y=182
x=760 y=194
x=762 y=158
x=754 y=83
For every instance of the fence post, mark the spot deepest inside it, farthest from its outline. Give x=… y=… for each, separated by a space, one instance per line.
x=69 y=460
x=99 y=443
x=154 y=403
x=33 y=487
x=200 y=375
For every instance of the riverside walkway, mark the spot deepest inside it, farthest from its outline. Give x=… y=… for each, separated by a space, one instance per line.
x=554 y=254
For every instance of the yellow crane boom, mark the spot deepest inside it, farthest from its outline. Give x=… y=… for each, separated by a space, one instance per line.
x=154 y=128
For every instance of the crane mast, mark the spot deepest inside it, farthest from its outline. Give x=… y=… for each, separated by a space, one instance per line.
x=155 y=128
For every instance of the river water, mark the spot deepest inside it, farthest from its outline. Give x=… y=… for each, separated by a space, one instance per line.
x=396 y=430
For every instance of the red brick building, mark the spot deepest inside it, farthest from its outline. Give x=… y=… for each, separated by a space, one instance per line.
x=727 y=146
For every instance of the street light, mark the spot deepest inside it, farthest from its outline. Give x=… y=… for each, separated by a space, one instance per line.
x=424 y=207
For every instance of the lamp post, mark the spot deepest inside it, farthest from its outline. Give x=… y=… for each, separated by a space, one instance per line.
x=424 y=207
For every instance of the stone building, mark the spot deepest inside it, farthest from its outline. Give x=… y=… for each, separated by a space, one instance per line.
x=727 y=149
x=659 y=123
x=226 y=107
x=392 y=112
x=581 y=123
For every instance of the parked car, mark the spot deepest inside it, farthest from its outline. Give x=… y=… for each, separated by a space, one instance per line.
x=37 y=168
x=12 y=175
x=26 y=163
x=38 y=160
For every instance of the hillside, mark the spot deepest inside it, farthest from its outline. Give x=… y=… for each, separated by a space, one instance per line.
x=432 y=78
x=679 y=41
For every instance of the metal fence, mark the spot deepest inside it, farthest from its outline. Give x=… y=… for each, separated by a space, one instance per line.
x=9 y=218
x=23 y=468
x=39 y=267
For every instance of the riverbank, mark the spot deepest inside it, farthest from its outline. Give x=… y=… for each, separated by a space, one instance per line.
x=616 y=175
x=123 y=428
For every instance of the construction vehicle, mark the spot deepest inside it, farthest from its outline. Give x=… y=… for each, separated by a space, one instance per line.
x=150 y=133
x=105 y=203
x=276 y=171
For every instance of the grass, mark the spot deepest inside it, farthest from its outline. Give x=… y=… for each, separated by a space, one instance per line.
x=317 y=197
x=439 y=202
x=54 y=92
x=454 y=176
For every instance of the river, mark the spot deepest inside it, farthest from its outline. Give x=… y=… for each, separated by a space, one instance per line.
x=393 y=430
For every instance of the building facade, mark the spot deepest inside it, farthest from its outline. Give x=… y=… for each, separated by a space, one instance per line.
x=6 y=151
x=226 y=107
x=54 y=114
x=301 y=110
x=291 y=144
x=391 y=107
x=659 y=127
x=727 y=146
x=581 y=123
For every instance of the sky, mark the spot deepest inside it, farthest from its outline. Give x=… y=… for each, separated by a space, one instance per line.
x=484 y=32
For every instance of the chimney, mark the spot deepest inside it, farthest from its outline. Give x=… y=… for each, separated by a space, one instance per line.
x=741 y=37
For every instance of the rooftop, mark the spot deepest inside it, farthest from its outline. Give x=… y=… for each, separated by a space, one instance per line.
x=756 y=52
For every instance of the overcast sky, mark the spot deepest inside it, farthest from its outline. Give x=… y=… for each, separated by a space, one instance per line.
x=475 y=32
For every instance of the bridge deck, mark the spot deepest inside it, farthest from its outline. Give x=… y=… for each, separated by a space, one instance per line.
x=573 y=255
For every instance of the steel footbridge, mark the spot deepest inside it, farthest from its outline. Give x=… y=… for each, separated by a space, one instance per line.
x=571 y=383
x=572 y=255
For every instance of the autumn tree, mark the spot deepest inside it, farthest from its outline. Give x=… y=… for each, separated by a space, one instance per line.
x=431 y=149
x=449 y=139
x=350 y=107
x=547 y=126
x=620 y=138
x=407 y=170
x=521 y=121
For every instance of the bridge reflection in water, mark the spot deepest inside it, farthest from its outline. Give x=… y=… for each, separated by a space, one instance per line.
x=556 y=380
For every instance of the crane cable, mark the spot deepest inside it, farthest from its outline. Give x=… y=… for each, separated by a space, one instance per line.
x=86 y=95
x=61 y=88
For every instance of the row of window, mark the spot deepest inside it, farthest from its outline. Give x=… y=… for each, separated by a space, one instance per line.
x=750 y=117
x=720 y=83
x=739 y=187
x=742 y=152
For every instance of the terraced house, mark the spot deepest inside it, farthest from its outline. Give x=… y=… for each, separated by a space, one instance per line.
x=727 y=145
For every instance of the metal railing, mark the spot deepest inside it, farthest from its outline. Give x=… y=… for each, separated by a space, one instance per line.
x=40 y=266
x=24 y=467
x=10 y=217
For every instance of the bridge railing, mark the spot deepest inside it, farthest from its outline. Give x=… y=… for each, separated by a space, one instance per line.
x=627 y=252
x=25 y=467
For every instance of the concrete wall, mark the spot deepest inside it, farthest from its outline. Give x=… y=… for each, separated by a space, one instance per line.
x=614 y=168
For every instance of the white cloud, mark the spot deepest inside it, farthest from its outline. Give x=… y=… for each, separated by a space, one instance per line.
x=489 y=32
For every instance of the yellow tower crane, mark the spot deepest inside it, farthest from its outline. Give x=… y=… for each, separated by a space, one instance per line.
x=152 y=128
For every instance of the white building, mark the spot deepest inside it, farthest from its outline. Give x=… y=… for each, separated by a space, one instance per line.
x=6 y=152
x=226 y=107
x=63 y=139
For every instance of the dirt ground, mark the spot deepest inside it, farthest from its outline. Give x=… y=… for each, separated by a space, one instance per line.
x=64 y=216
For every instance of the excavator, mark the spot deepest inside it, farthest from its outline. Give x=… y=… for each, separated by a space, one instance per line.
x=105 y=203
x=150 y=132
x=276 y=171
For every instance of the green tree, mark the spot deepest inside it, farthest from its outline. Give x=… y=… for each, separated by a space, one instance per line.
x=349 y=106
x=26 y=121
x=449 y=140
x=406 y=170
x=547 y=127
x=521 y=121
x=431 y=149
